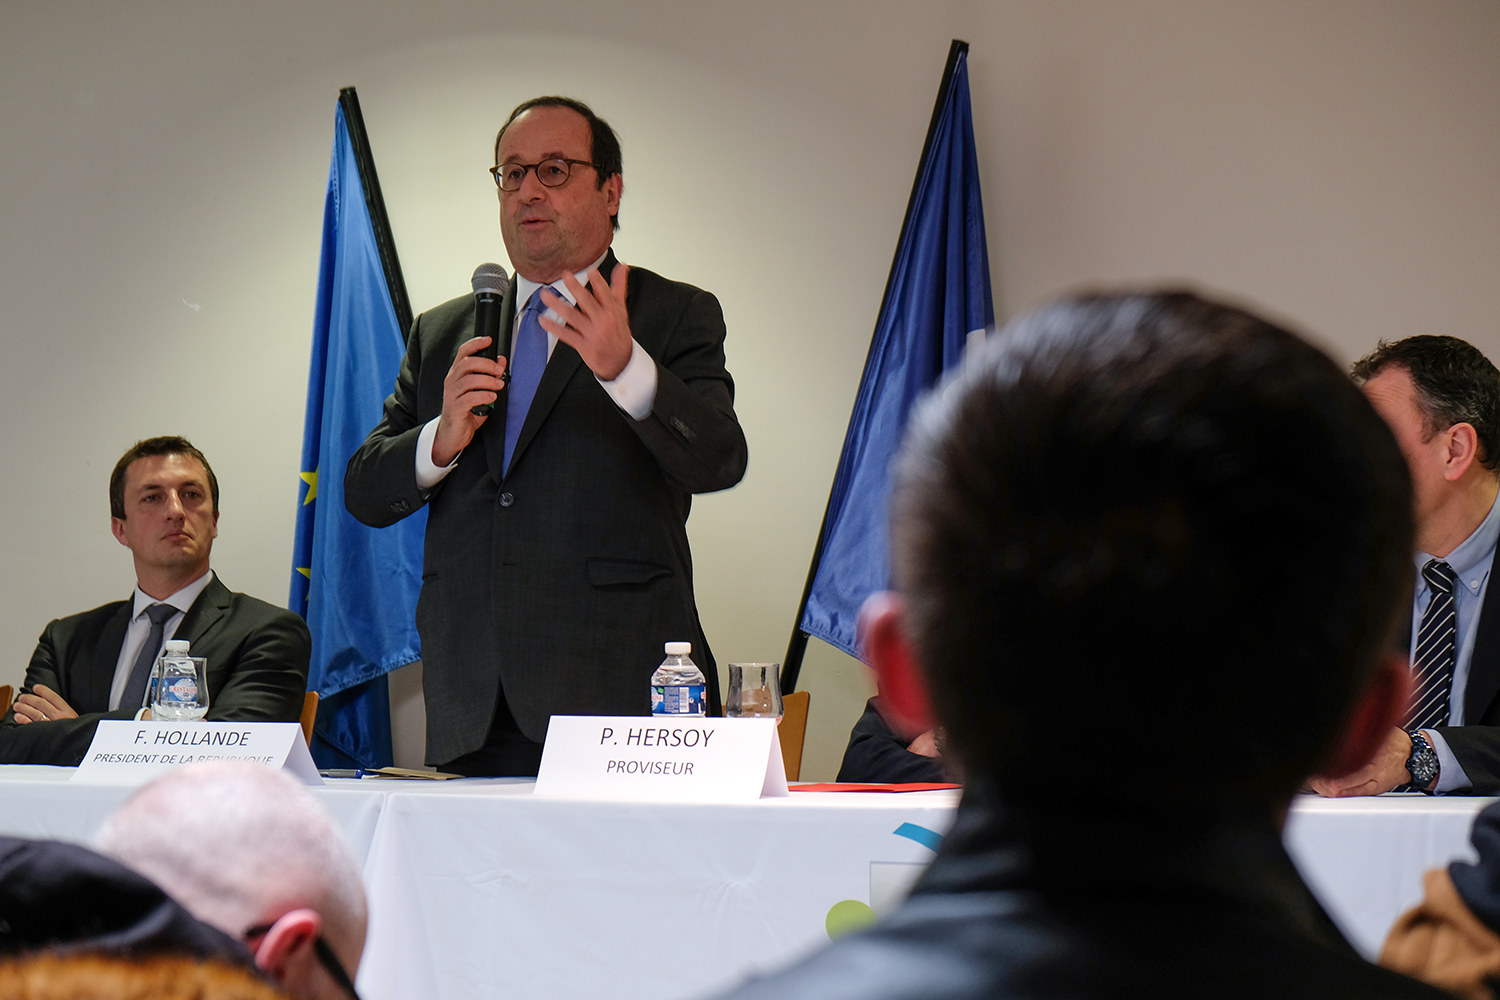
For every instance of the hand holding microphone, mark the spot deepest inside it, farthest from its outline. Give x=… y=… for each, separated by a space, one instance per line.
x=478 y=372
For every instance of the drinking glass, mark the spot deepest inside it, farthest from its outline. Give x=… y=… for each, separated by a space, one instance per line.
x=754 y=691
x=181 y=689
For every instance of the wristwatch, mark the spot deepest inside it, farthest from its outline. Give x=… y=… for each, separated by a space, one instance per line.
x=1423 y=762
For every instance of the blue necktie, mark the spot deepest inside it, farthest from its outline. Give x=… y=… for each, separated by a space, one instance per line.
x=528 y=357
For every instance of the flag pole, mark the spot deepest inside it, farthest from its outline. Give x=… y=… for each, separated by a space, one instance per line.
x=796 y=648
x=385 y=242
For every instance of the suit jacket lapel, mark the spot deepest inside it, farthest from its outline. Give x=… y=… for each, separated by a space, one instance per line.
x=1484 y=662
x=555 y=377
x=205 y=612
x=102 y=677
x=493 y=431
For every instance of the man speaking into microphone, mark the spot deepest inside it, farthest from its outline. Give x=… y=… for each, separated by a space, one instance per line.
x=556 y=559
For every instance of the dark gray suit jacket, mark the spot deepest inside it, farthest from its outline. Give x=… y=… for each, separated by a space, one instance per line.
x=1477 y=744
x=562 y=578
x=257 y=670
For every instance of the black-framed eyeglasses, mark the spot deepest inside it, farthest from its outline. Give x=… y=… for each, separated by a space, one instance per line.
x=326 y=958
x=552 y=173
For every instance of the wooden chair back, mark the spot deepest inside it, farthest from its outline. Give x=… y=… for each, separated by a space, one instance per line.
x=793 y=731
x=6 y=694
x=309 y=715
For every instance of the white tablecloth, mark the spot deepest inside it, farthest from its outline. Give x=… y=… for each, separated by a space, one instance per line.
x=1364 y=858
x=491 y=892
x=478 y=889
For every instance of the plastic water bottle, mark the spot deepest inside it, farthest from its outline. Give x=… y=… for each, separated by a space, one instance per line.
x=175 y=697
x=678 y=686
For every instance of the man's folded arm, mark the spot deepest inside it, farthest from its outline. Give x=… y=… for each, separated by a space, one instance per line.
x=54 y=741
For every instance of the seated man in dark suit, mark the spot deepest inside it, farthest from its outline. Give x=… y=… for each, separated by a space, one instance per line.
x=877 y=753
x=1150 y=555
x=164 y=507
x=1441 y=397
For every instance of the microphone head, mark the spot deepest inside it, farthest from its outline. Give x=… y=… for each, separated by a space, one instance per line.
x=490 y=278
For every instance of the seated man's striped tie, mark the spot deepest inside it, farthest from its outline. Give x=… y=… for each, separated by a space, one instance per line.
x=1433 y=667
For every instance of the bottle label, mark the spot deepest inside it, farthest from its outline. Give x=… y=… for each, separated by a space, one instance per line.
x=677 y=699
x=179 y=691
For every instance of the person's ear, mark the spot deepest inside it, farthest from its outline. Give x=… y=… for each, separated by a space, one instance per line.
x=1380 y=708
x=117 y=526
x=1463 y=450
x=882 y=638
x=286 y=953
x=614 y=189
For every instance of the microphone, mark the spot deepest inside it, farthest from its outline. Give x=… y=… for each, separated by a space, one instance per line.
x=490 y=282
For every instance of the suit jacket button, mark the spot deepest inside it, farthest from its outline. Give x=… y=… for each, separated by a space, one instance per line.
x=506 y=499
x=400 y=507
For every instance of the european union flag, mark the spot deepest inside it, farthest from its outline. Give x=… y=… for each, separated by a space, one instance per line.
x=937 y=297
x=356 y=586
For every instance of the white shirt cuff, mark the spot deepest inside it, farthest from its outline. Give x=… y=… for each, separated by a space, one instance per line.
x=428 y=473
x=633 y=390
x=1451 y=777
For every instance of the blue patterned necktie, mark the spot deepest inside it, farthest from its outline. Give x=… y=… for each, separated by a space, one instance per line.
x=528 y=357
x=135 y=687
x=1436 y=636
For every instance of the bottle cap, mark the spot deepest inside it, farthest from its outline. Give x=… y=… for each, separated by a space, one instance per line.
x=679 y=648
x=175 y=646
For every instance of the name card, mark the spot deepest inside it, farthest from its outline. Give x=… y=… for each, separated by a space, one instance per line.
x=674 y=758
x=132 y=753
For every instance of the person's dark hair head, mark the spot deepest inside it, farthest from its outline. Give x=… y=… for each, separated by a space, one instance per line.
x=1455 y=384
x=171 y=445
x=604 y=145
x=1150 y=542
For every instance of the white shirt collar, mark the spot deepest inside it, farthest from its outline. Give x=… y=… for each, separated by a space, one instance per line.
x=182 y=600
x=1472 y=554
x=525 y=287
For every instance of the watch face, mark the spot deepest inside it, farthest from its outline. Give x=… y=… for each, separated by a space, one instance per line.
x=1423 y=764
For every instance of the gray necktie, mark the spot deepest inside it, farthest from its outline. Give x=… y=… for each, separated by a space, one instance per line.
x=135 y=688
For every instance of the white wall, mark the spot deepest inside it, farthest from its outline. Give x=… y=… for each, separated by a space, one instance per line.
x=163 y=164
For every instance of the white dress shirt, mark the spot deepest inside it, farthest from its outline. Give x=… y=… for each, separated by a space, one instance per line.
x=139 y=631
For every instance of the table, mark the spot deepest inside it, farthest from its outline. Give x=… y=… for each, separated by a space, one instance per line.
x=479 y=889
x=491 y=892
x=1364 y=857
